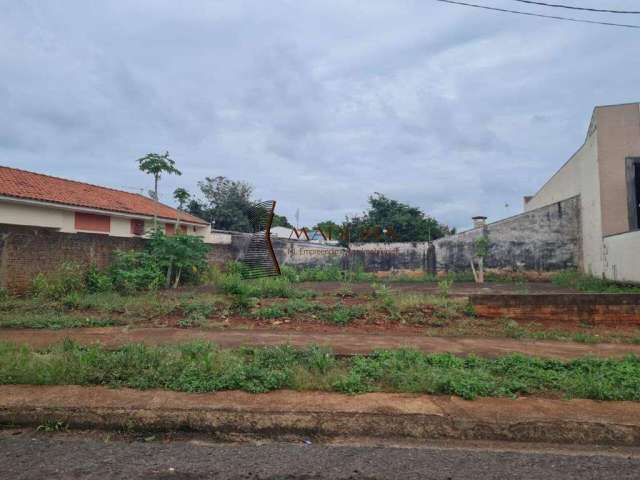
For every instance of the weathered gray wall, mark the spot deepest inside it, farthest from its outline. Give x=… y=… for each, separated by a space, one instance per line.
x=547 y=238
x=543 y=239
x=288 y=252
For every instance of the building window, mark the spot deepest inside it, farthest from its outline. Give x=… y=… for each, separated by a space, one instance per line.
x=183 y=229
x=169 y=229
x=137 y=227
x=93 y=223
x=633 y=189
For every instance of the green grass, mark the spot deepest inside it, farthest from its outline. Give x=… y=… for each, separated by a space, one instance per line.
x=589 y=284
x=338 y=314
x=342 y=315
x=51 y=320
x=233 y=284
x=331 y=273
x=291 y=307
x=202 y=367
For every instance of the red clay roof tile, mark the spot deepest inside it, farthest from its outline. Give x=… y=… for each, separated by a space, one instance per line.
x=35 y=186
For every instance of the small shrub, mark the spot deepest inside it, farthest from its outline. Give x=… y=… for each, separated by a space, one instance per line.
x=444 y=287
x=97 y=281
x=345 y=291
x=342 y=315
x=385 y=299
x=133 y=271
x=67 y=279
x=470 y=310
x=288 y=309
x=196 y=309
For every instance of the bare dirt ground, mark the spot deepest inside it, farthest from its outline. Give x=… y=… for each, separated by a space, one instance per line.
x=340 y=343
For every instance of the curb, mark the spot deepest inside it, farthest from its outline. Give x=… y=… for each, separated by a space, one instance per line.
x=286 y=414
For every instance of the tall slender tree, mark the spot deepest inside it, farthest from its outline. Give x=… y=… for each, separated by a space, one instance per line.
x=182 y=197
x=156 y=164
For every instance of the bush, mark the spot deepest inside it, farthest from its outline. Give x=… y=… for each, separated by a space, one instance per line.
x=181 y=258
x=342 y=315
x=97 y=281
x=133 y=271
x=68 y=279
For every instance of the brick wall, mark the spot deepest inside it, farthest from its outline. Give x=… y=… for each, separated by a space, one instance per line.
x=27 y=251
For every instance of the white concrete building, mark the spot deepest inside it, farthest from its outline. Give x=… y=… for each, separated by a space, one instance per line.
x=605 y=173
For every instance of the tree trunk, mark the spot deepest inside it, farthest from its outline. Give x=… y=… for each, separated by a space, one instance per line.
x=178 y=275
x=473 y=269
x=169 y=273
x=481 y=270
x=155 y=193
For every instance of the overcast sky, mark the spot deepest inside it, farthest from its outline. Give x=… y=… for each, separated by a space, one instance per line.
x=316 y=103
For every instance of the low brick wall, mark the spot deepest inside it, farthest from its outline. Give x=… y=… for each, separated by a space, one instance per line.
x=611 y=308
x=27 y=251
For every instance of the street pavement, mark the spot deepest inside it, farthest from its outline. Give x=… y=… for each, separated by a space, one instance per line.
x=28 y=454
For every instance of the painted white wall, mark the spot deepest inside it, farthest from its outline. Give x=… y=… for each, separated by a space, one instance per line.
x=63 y=219
x=621 y=257
x=35 y=216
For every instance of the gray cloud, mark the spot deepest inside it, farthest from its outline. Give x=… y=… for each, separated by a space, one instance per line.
x=318 y=104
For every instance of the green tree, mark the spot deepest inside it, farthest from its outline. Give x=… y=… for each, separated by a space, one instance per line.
x=280 y=221
x=227 y=203
x=181 y=196
x=156 y=164
x=331 y=230
x=394 y=221
x=177 y=254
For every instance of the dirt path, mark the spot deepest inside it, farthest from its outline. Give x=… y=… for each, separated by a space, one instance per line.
x=340 y=343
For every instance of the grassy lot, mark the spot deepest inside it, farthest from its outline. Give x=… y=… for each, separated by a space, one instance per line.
x=227 y=300
x=588 y=284
x=202 y=367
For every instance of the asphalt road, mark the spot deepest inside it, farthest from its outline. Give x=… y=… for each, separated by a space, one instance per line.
x=31 y=455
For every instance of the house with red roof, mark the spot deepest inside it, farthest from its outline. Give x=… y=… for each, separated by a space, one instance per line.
x=68 y=206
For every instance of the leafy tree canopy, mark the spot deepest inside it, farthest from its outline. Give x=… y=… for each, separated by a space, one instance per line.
x=181 y=196
x=394 y=221
x=280 y=221
x=226 y=203
x=155 y=164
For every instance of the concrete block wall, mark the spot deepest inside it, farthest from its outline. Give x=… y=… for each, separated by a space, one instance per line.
x=547 y=238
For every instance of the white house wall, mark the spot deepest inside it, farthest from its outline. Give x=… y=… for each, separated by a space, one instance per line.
x=621 y=257
x=35 y=216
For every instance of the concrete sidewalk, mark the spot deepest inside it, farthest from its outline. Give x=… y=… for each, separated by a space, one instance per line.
x=287 y=414
x=340 y=343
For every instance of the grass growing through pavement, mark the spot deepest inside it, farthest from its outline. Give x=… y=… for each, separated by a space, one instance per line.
x=201 y=367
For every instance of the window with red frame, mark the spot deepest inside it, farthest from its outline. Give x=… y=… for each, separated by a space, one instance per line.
x=92 y=223
x=169 y=229
x=137 y=227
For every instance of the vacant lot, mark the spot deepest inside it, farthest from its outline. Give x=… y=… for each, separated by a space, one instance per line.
x=316 y=301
